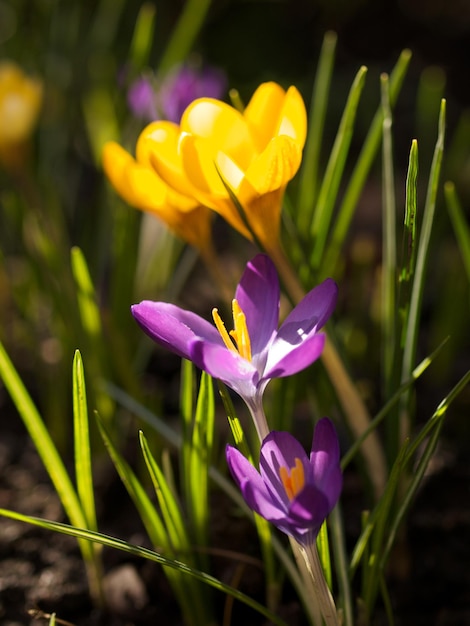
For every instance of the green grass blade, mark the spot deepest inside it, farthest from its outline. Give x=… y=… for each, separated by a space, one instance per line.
x=413 y=324
x=91 y=322
x=389 y=262
x=460 y=224
x=147 y=513
x=145 y=553
x=150 y=518
x=42 y=440
x=178 y=538
x=143 y=37
x=83 y=469
x=408 y=258
x=392 y=402
x=323 y=548
x=310 y=161
x=434 y=424
x=169 y=506
x=362 y=167
x=184 y=34
x=337 y=534
x=226 y=485
x=199 y=460
x=334 y=171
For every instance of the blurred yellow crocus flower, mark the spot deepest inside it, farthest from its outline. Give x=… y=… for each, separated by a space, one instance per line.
x=139 y=185
x=256 y=153
x=20 y=103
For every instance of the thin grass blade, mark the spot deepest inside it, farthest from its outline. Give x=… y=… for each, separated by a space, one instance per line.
x=310 y=161
x=460 y=224
x=362 y=167
x=329 y=189
x=145 y=553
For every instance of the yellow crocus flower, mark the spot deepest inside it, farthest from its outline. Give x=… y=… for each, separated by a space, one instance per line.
x=139 y=185
x=256 y=153
x=20 y=103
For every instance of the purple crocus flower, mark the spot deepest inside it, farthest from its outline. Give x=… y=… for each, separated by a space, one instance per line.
x=292 y=491
x=141 y=99
x=256 y=351
x=186 y=84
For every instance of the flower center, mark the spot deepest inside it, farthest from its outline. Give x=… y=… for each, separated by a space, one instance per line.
x=239 y=334
x=293 y=480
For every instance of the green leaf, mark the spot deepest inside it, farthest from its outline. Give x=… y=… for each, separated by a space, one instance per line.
x=310 y=162
x=119 y=544
x=83 y=469
x=329 y=188
x=362 y=167
x=460 y=224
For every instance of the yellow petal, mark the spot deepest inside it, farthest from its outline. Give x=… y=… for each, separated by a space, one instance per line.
x=222 y=126
x=201 y=170
x=276 y=166
x=157 y=148
x=140 y=187
x=293 y=117
x=20 y=102
x=262 y=113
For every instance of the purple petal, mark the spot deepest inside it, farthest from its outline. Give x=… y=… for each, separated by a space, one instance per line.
x=325 y=461
x=280 y=449
x=285 y=359
x=297 y=343
x=312 y=312
x=172 y=327
x=309 y=509
x=252 y=486
x=226 y=365
x=258 y=295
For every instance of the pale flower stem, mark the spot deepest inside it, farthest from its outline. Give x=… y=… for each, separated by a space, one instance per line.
x=260 y=421
x=353 y=406
x=309 y=594
x=323 y=593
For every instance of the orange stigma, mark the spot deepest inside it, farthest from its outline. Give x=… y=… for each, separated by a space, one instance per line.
x=293 y=480
x=239 y=334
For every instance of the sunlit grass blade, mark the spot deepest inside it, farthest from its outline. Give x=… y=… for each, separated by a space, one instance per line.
x=362 y=167
x=83 y=469
x=412 y=323
x=217 y=477
x=199 y=460
x=329 y=188
x=143 y=36
x=389 y=255
x=178 y=536
x=169 y=507
x=372 y=536
x=184 y=33
x=460 y=224
x=408 y=255
x=323 y=548
x=310 y=162
x=91 y=323
x=392 y=402
x=145 y=553
x=149 y=516
x=431 y=430
x=52 y=462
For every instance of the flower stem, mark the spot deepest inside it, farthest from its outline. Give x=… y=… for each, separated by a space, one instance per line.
x=323 y=594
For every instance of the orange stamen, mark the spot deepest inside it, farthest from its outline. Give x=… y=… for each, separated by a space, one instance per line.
x=294 y=480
